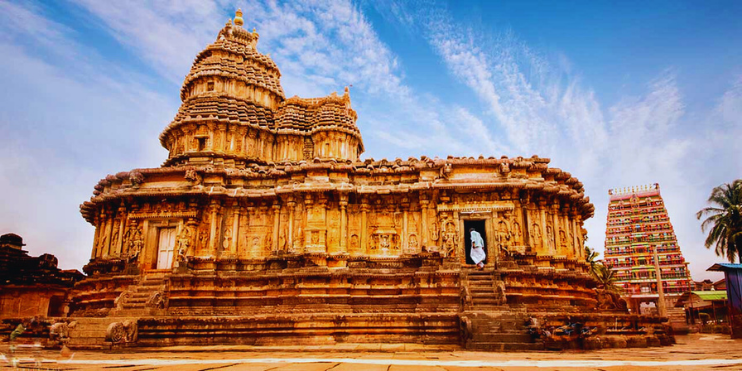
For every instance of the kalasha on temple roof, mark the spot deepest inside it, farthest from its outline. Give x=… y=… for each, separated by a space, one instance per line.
x=265 y=226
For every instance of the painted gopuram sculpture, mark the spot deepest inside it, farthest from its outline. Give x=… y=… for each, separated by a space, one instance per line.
x=264 y=226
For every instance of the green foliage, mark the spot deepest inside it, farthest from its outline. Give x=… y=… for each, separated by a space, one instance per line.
x=591 y=256
x=724 y=220
x=606 y=278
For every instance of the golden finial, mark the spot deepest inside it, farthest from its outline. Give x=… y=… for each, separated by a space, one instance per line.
x=238 y=21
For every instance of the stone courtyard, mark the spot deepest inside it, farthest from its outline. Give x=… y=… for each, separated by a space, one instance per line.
x=692 y=352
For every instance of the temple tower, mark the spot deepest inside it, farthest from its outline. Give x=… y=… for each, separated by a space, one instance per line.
x=637 y=225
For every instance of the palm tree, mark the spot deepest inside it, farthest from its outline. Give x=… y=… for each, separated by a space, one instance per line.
x=606 y=277
x=591 y=256
x=724 y=221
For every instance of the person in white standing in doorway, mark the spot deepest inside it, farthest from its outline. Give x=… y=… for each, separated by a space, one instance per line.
x=477 y=248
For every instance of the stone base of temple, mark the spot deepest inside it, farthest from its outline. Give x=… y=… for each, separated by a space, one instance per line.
x=518 y=304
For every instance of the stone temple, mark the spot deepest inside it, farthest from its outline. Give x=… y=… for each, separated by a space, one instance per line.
x=264 y=226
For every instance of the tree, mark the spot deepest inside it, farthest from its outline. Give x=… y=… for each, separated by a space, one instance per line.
x=606 y=278
x=724 y=220
x=591 y=256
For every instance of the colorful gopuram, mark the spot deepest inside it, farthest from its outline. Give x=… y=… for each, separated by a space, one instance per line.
x=638 y=230
x=264 y=226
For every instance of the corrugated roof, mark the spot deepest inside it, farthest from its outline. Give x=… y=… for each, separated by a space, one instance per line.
x=724 y=266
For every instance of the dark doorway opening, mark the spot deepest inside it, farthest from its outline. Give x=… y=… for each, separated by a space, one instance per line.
x=478 y=226
x=56 y=307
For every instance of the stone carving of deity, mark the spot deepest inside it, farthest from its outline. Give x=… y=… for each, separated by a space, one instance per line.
x=384 y=242
x=135 y=244
x=450 y=237
x=536 y=236
x=503 y=237
x=413 y=241
x=550 y=238
x=203 y=237
x=282 y=241
x=315 y=238
x=562 y=239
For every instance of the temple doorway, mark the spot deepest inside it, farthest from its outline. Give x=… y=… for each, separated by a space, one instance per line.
x=478 y=226
x=165 y=248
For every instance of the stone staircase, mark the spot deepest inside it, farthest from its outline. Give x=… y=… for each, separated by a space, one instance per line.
x=89 y=332
x=141 y=300
x=483 y=290
x=491 y=324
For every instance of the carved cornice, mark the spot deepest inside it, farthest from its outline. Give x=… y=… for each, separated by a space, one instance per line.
x=477 y=206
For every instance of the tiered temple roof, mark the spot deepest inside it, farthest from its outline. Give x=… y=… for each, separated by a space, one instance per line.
x=637 y=225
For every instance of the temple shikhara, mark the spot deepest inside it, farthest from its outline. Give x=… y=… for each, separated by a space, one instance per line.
x=265 y=226
x=638 y=232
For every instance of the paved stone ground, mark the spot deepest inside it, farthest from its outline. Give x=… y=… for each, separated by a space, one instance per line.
x=693 y=352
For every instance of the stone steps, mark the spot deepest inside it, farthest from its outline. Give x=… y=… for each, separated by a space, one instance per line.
x=90 y=333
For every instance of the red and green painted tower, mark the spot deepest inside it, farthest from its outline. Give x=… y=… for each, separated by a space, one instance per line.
x=637 y=225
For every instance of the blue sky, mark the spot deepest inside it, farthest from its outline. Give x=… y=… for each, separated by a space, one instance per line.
x=617 y=93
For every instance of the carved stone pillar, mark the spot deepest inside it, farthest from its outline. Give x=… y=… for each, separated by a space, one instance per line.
x=364 y=226
x=525 y=201
x=575 y=230
x=235 y=227
x=122 y=221
x=343 y=223
x=290 y=239
x=213 y=232
x=544 y=233
x=555 y=228
x=96 y=242
x=424 y=202
x=405 y=230
x=107 y=238
x=276 y=221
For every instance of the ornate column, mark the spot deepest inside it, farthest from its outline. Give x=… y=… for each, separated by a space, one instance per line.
x=555 y=231
x=544 y=237
x=577 y=231
x=212 y=233
x=122 y=221
x=276 y=221
x=364 y=225
x=343 y=223
x=290 y=239
x=235 y=226
x=405 y=231
x=424 y=202
x=210 y=146
x=107 y=238
x=96 y=242
x=525 y=202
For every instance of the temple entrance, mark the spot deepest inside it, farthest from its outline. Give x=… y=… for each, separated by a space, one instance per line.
x=478 y=226
x=165 y=248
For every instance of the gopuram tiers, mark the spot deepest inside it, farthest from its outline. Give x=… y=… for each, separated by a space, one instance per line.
x=264 y=226
x=638 y=232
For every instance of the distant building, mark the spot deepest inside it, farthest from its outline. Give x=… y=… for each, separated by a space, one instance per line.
x=32 y=286
x=637 y=225
x=708 y=285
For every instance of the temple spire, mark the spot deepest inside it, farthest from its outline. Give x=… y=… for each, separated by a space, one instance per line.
x=238 y=21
